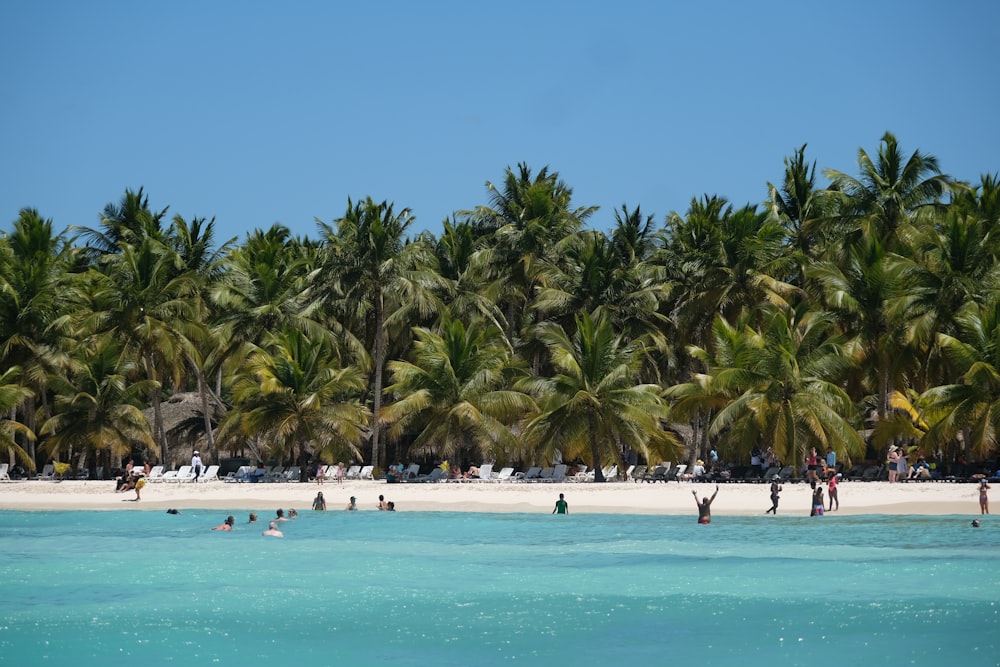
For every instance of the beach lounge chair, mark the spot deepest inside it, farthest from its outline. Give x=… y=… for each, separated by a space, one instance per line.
x=274 y=474
x=628 y=472
x=485 y=473
x=871 y=473
x=169 y=476
x=546 y=474
x=528 y=475
x=435 y=475
x=366 y=472
x=48 y=472
x=210 y=475
x=677 y=474
x=558 y=473
x=638 y=473
x=183 y=474
x=412 y=472
x=4 y=475
x=292 y=474
x=657 y=474
x=504 y=475
x=771 y=473
x=155 y=474
x=352 y=472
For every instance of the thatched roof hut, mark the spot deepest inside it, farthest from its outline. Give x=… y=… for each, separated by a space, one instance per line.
x=184 y=424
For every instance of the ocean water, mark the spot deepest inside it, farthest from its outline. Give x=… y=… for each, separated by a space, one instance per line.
x=411 y=588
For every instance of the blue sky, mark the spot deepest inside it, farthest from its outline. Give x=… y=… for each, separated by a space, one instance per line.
x=257 y=113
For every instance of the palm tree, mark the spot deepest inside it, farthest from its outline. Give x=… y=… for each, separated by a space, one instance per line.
x=12 y=395
x=594 y=407
x=293 y=394
x=609 y=276
x=971 y=405
x=373 y=271
x=889 y=190
x=455 y=394
x=97 y=410
x=781 y=384
x=526 y=220
x=193 y=243
x=34 y=281
x=858 y=290
x=150 y=309
x=800 y=207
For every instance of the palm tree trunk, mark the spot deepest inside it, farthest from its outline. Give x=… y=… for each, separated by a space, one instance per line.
x=158 y=435
x=379 y=362
x=203 y=392
x=595 y=452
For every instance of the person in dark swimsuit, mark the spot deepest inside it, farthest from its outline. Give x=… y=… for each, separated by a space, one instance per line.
x=705 y=506
x=817 y=506
x=775 y=490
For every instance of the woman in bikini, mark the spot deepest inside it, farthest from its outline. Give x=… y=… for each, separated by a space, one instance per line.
x=984 y=500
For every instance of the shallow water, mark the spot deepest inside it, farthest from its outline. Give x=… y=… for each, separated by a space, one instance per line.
x=409 y=588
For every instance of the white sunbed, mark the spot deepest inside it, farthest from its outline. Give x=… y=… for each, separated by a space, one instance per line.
x=4 y=475
x=353 y=472
x=528 y=475
x=183 y=474
x=210 y=475
x=504 y=475
x=155 y=474
x=48 y=472
x=485 y=473
x=558 y=473
x=366 y=472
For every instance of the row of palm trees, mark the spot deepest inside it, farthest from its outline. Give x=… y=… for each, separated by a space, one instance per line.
x=519 y=334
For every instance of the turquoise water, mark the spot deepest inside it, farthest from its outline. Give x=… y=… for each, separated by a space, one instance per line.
x=407 y=588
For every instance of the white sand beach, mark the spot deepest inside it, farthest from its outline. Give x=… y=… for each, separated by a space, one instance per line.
x=608 y=498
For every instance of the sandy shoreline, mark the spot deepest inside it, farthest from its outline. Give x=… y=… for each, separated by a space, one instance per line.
x=610 y=498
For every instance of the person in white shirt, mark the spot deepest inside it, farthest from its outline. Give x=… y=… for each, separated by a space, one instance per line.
x=196 y=465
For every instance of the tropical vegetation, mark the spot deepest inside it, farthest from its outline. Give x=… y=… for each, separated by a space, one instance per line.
x=530 y=330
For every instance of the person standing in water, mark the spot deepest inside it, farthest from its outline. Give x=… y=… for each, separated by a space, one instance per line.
x=775 y=490
x=817 y=500
x=705 y=506
x=562 y=507
x=319 y=502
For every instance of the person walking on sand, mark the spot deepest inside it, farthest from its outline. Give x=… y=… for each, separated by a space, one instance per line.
x=562 y=507
x=775 y=490
x=139 y=483
x=984 y=499
x=319 y=503
x=831 y=486
x=196 y=465
x=705 y=506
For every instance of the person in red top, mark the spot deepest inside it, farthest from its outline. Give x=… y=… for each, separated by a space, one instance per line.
x=811 y=465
